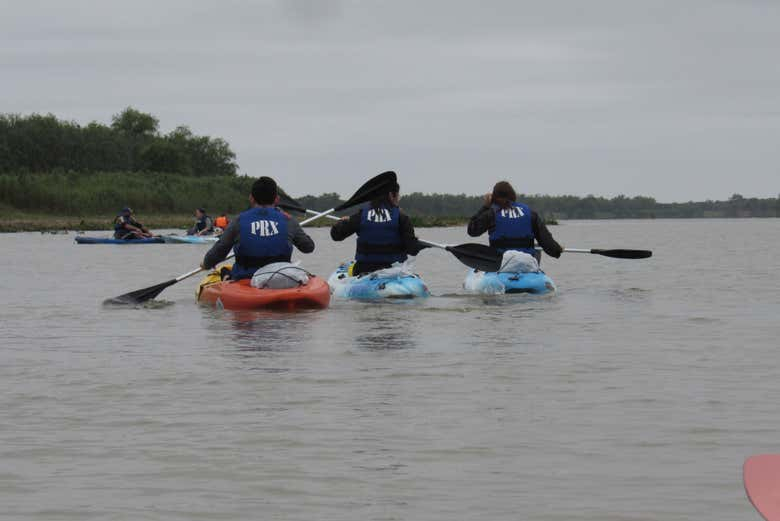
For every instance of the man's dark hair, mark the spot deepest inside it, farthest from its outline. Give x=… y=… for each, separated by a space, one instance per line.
x=264 y=190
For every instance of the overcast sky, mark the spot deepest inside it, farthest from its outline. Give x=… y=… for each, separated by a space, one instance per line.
x=677 y=100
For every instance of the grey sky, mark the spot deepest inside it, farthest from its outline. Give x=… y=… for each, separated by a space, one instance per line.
x=677 y=100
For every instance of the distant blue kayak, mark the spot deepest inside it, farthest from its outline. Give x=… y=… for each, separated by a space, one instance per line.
x=492 y=283
x=373 y=286
x=189 y=239
x=106 y=240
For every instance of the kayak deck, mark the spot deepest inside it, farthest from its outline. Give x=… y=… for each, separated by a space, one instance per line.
x=240 y=295
x=498 y=283
x=107 y=240
x=370 y=286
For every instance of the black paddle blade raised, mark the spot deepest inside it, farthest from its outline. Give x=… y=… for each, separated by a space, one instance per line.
x=138 y=296
x=288 y=203
x=478 y=256
x=371 y=189
x=624 y=254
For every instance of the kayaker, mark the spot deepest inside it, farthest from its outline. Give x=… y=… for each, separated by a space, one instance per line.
x=203 y=224
x=261 y=235
x=221 y=221
x=385 y=233
x=126 y=228
x=512 y=225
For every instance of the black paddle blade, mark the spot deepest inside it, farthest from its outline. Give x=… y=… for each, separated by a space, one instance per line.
x=624 y=254
x=139 y=296
x=478 y=256
x=371 y=189
x=288 y=203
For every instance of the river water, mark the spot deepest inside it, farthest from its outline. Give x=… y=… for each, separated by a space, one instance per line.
x=634 y=393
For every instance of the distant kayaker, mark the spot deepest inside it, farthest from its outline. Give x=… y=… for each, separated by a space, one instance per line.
x=385 y=233
x=512 y=225
x=203 y=224
x=221 y=222
x=127 y=228
x=261 y=235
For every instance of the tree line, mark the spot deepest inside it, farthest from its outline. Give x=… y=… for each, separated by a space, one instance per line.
x=131 y=143
x=573 y=207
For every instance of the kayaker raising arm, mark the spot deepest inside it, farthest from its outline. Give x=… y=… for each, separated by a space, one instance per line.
x=261 y=235
x=385 y=234
x=512 y=225
x=127 y=228
x=203 y=224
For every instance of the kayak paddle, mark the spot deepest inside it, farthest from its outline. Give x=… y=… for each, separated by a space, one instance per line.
x=371 y=189
x=140 y=296
x=478 y=256
x=616 y=254
x=761 y=476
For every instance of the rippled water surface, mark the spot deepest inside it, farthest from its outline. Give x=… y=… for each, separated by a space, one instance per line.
x=634 y=393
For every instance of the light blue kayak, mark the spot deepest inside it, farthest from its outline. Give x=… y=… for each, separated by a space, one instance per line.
x=106 y=240
x=492 y=283
x=374 y=286
x=190 y=239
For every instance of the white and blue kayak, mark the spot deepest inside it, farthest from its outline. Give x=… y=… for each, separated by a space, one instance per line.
x=392 y=283
x=190 y=239
x=110 y=240
x=499 y=283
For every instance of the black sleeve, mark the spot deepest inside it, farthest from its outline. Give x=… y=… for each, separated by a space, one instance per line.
x=410 y=243
x=482 y=221
x=220 y=250
x=343 y=229
x=544 y=237
x=299 y=238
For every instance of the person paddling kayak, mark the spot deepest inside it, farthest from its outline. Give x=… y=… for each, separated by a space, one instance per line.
x=512 y=225
x=261 y=235
x=203 y=224
x=221 y=222
x=126 y=228
x=385 y=233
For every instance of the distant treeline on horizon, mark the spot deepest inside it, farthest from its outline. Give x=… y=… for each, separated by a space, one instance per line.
x=51 y=166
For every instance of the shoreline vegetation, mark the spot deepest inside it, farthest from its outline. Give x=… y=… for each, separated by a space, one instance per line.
x=60 y=175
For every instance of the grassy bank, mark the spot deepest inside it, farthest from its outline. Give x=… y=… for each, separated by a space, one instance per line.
x=28 y=222
x=14 y=221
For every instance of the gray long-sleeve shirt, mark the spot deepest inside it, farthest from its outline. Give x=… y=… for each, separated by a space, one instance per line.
x=232 y=235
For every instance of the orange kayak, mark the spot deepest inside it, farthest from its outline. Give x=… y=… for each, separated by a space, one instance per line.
x=240 y=295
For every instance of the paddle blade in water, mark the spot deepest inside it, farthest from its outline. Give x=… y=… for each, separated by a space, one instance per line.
x=624 y=254
x=371 y=189
x=478 y=256
x=139 y=296
x=761 y=475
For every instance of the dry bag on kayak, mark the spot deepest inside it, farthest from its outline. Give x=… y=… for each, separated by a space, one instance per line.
x=518 y=262
x=280 y=275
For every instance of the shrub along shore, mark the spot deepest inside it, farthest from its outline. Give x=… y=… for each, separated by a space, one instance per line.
x=89 y=201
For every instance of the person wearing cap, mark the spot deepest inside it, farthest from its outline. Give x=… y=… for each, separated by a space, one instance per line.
x=203 y=224
x=512 y=225
x=385 y=234
x=127 y=228
x=259 y=236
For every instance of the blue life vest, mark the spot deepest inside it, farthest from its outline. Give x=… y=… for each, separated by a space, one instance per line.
x=379 y=236
x=513 y=230
x=263 y=240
